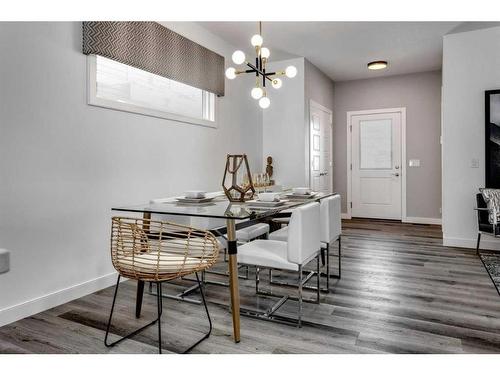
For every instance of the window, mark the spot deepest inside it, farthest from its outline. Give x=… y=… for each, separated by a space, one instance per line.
x=119 y=86
x=375 y=144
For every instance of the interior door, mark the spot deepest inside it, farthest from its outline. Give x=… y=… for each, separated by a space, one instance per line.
x=320 y=149
x=376 y=165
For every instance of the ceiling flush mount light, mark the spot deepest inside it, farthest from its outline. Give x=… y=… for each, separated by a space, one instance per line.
x=259 y=69
x=377 y=65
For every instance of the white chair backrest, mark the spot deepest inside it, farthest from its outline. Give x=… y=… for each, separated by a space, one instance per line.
x=304 y=233
x=331 y=223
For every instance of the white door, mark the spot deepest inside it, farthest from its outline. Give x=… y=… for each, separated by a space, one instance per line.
x=376 y=165
x=320 y=149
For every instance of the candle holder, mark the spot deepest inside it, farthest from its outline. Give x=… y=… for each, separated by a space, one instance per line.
x=237 y=166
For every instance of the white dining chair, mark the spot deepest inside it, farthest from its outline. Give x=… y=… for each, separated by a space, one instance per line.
x=331 y=231
x=302 y=246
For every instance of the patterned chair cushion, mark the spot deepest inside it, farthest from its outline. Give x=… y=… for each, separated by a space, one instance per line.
x=492 y=199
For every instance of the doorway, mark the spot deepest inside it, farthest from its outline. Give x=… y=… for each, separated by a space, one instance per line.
x=320 y=148
x=376 y=164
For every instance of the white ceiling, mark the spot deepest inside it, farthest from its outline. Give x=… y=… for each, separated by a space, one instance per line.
x=342 y=49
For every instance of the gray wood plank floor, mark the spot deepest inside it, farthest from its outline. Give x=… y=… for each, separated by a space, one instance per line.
x=401 y=292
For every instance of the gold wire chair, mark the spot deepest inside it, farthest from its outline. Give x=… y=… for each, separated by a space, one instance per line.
x=157 y=251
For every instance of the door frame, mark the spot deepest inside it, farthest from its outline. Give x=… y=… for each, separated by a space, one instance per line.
x=312 y=104
x=350 y=114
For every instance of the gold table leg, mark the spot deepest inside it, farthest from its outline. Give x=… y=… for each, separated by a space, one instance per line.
x=140 y=283
x=233 y=278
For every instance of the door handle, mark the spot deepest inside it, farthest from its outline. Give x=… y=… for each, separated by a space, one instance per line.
x=323 y=174
x=396 y=174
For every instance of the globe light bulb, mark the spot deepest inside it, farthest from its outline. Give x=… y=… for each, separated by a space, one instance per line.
x=291 y=71
x=256 y=40
x=264 y=102
x=238 y=57
x=257 y=93
x=231 y=73
x=277 y=83
x=265 y=53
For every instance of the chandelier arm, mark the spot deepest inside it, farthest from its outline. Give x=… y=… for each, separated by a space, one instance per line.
x=260 y=72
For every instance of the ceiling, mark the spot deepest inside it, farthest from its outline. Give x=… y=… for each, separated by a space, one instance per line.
x=342 y=49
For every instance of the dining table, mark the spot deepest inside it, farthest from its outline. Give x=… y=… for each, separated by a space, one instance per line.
x=236 y=215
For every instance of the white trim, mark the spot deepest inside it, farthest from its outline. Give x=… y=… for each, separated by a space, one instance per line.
x=24 y=309
x=402 y=111
x=422 y=220
x=92 y=99
x=349 y=161
x=487 y=242
x=344 y=215
x=316 y=105
x=403 y=164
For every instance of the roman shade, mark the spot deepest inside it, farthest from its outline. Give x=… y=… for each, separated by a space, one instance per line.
x=154 y=48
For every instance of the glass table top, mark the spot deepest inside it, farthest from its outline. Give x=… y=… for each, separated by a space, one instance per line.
x=220 y=207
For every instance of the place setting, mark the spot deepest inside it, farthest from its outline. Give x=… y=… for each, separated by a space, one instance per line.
x=300 y=193
x=267 y=200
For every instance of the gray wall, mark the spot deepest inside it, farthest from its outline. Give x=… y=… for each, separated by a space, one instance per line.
x=286 y=121
x=283 y=126
x=471 y=65
x=320 y=88
x=420 y=93
x=64 y=164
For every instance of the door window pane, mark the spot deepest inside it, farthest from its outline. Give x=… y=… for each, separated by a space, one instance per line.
x=375 y=144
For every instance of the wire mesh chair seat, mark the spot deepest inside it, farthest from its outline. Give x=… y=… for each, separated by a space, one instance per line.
x=158 y=251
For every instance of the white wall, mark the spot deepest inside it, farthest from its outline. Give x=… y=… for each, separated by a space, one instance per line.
x=64 y=164
x=420 y=93
x=471 y=65
x=283 y=127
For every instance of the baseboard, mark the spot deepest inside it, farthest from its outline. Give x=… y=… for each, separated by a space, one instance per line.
x=22 y=310
x=422 y=220
x=414 y=220
x=487 y=242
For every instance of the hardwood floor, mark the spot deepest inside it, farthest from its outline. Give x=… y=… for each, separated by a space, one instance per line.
x=400 y=292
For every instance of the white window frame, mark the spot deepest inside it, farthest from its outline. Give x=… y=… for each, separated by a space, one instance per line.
x=93 y=99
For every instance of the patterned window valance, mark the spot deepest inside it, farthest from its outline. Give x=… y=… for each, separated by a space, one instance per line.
x=152 y=47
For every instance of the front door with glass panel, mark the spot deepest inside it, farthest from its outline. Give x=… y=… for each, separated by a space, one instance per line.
x=376 y=165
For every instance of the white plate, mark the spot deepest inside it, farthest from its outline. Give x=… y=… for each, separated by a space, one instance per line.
x=306 y=196
x=194 y=200
x=262 y=204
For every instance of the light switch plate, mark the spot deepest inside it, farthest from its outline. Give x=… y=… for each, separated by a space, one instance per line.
x=474 y=163
x=414 y=163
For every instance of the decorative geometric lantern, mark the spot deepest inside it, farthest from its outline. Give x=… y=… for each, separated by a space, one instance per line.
x=237 y=181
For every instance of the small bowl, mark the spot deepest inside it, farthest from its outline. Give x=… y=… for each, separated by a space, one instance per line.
x=302 y=190
x=195 y=194
x=269 y=197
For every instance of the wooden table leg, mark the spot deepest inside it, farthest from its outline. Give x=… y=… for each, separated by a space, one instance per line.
x=140 y=284
x=233 y=278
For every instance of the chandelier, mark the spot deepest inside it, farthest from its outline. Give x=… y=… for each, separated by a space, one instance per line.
x=259 y=69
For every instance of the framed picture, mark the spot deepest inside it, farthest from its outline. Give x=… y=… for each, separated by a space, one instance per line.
x=492 y=138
